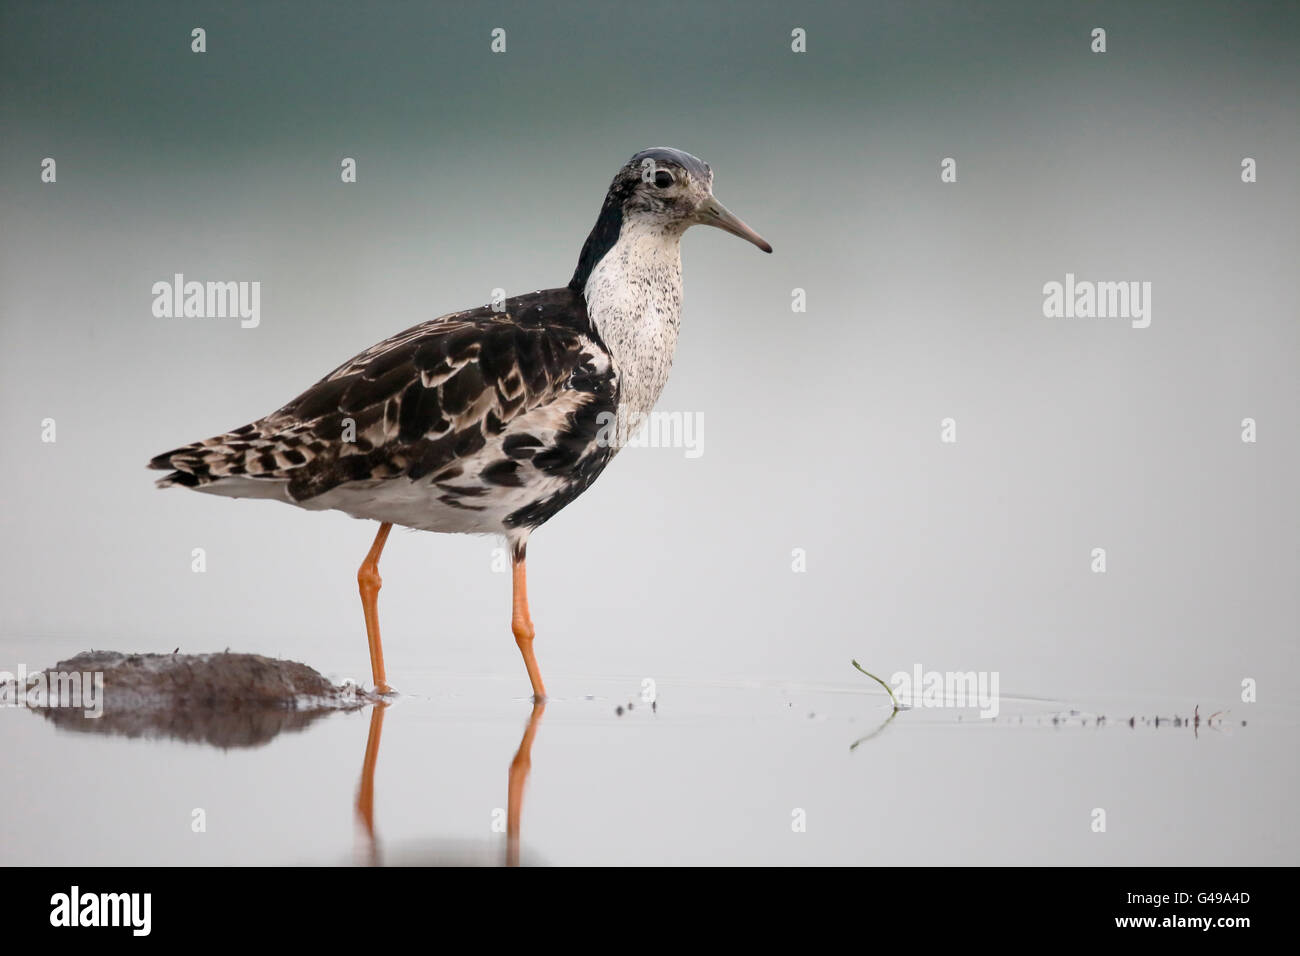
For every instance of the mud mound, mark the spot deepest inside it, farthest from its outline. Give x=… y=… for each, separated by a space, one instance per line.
x=226 y=700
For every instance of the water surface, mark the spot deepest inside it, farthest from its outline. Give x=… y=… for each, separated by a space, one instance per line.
x=730 y=771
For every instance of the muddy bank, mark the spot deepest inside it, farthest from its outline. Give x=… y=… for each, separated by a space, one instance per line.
x=226 y=700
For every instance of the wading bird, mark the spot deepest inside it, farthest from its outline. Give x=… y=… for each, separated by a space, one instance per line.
x=493 y=419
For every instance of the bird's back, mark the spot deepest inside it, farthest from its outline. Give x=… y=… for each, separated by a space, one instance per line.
x=494 y=414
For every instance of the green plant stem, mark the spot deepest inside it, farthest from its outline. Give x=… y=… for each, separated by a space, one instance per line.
x=888 y=690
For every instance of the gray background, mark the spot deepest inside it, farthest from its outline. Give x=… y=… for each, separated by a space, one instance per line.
x=821 y=429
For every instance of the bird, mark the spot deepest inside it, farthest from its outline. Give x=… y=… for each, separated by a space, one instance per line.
x=493 y=419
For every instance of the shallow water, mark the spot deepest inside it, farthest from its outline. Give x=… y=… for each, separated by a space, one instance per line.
x=714 y=772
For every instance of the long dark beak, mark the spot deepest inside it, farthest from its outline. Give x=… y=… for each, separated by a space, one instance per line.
x=713 y=213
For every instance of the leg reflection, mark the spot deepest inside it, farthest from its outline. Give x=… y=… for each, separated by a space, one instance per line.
x=519 y=768
x=366 y=792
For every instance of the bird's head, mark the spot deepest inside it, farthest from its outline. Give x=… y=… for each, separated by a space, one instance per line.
x=676 y=189
x=665 y=188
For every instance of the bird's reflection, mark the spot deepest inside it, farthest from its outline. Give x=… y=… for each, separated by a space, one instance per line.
x=520 y=767
x=366 y=791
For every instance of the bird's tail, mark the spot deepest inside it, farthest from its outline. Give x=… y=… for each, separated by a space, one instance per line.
x=246 y=452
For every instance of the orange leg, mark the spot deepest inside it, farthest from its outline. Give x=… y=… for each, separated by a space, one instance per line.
x=519 y=768
x=366 y=791
x=369 y=581
x=522 y=625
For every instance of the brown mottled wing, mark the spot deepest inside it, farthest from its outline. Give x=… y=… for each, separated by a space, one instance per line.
x=417 y=403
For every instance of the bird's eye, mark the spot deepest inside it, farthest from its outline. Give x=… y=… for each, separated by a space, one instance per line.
x=663 y=179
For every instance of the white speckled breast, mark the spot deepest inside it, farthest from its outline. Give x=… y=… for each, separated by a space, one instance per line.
x=634 y=299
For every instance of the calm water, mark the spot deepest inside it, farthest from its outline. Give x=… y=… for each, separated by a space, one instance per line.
x=715 y=772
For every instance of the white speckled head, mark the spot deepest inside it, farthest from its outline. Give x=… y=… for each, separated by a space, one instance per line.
x=663 y=190
x=674 y=188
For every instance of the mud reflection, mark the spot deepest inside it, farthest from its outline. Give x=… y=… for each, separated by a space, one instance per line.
x=226 y=729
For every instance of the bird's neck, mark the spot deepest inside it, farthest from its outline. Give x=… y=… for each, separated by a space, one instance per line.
x=634 y=300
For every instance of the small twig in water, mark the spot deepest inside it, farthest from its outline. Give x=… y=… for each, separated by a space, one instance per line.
x=888 y=690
